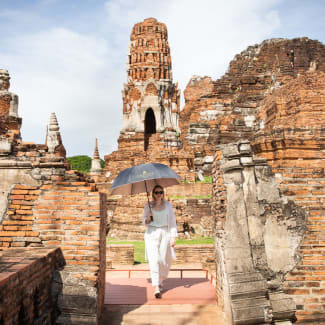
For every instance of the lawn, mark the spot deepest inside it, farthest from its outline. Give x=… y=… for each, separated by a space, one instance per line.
x=139 y=255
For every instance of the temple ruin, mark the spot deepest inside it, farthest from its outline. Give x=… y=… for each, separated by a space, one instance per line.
x=257 y=132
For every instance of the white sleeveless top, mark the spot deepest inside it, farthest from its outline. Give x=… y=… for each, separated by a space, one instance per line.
x=160 y=218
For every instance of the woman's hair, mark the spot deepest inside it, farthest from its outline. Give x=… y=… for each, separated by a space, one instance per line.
x=154 y=189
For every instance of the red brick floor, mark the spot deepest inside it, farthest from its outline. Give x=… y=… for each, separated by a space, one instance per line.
x=187 y=301
x=139 y=291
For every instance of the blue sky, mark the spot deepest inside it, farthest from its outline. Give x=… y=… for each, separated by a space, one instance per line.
x=69 y=57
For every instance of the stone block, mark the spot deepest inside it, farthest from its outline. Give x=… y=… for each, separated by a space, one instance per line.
x=283 y=306
x=246 y=289
x=259 y=160
x=75 y=304
x=253 y=314
x=238 y=265
x=245 y=148
x=230 y=151
x=246 y=161
x=231 y=165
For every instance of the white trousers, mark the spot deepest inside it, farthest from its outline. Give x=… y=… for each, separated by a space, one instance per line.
x=158 y=252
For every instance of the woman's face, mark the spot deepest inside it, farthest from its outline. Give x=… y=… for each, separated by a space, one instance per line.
x=158 y=194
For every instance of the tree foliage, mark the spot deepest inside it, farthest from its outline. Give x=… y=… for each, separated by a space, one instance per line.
x=82 y=163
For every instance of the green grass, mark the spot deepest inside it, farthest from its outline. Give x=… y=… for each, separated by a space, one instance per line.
x=139 y=254
x=195 y=241
x=207 y=179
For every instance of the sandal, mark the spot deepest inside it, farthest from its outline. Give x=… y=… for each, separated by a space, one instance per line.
x=157 y=294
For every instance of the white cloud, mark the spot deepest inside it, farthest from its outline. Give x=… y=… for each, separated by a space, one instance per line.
x=203 y=35
x=79 y=73
x=70 y=74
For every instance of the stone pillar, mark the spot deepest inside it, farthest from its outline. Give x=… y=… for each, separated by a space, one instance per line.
x=244 y=254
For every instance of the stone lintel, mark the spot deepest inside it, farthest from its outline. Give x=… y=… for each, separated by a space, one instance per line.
x=231 y=165
x=13 y=164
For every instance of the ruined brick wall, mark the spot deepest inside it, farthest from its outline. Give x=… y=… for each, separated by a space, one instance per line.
x=193 y=217
x=191 y=191
x=124 y=254
x=225 y=110
x=71 y=215
x=160 y=148
x=120 y=254
x=292 y=141
x=194 y=253
x=126 y=218
x=26 y=285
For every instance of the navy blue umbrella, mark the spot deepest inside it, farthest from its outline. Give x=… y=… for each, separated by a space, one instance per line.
x=143 y=178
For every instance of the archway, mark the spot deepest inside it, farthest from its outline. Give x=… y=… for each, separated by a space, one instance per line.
x=150 y=122
x=149 y=126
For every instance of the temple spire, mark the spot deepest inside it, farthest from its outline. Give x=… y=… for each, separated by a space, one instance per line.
x=53 y=138
x=151 y=101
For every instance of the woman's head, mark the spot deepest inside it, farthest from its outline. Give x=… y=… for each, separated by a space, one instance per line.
x=158 y=193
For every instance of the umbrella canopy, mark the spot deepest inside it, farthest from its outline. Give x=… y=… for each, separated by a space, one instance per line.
x=143 y=178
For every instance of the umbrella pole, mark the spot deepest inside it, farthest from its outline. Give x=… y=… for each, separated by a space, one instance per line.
x=145 y=184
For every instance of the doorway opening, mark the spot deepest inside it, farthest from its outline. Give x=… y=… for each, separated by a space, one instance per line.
x=149 y=126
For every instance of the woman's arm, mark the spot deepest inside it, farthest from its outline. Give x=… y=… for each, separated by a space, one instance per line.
x=146 y=217
x=172 y=221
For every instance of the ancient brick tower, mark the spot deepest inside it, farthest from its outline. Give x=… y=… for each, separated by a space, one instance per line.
x=151 y=101
x=151 y=106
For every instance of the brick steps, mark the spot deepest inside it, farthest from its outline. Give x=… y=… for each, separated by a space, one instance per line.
x=167 y=315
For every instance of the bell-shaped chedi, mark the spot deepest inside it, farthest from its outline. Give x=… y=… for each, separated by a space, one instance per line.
x=151 y=101
x=10 y=123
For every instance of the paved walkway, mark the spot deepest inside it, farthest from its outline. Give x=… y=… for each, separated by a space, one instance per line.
x=162 y=315
x=187 y=301
x=175 y=291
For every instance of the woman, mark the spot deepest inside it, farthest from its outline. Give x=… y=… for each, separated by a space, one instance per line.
x=160 y=237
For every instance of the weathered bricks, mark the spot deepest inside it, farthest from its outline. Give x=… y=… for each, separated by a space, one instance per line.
x=25 y=285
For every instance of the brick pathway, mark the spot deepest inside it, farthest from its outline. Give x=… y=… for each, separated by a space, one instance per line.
x=187 y=301
x=162 y=315
x=176 y=291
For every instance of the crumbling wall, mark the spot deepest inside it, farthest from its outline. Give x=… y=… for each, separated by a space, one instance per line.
x=26 y=285
x=292 y=141
x=226 y=110
x=258 y=233
x=43 y=204
x=71 y=215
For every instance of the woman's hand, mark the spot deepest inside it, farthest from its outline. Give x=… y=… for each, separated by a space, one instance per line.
x=148 y=220
x=172 y=242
